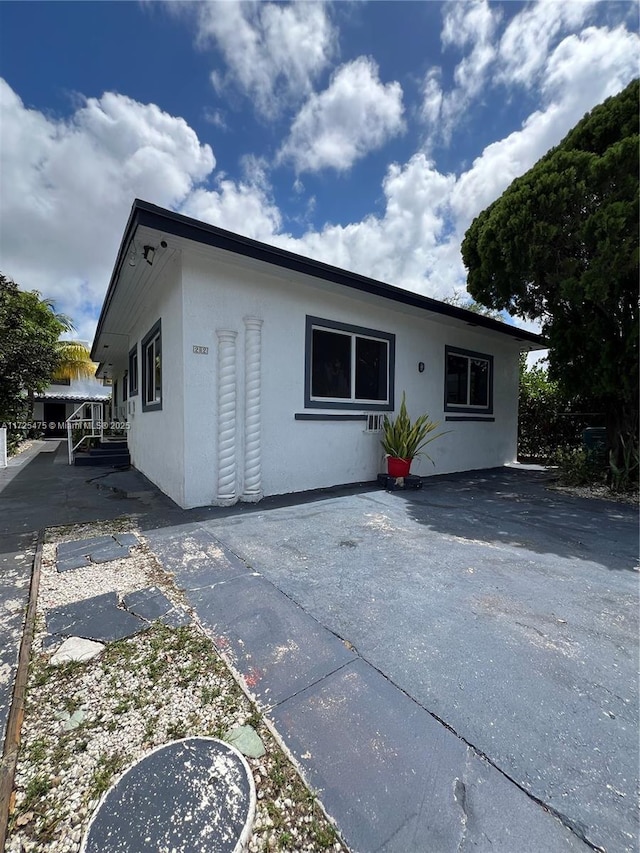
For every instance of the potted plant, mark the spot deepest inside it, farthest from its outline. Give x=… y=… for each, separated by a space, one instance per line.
x=403 y=440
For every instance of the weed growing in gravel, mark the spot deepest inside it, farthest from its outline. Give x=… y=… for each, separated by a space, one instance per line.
x=108 y=767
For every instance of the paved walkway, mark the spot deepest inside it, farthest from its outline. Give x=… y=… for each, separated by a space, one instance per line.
x=396 y=779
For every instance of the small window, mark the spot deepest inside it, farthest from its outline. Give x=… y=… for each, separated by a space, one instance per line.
x=133 y=372
x=125 y=386
x=348 y=367
x=151 y=351
x=468 y=381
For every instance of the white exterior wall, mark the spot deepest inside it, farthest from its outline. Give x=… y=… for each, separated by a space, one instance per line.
x=156 y=438
x=300 y=455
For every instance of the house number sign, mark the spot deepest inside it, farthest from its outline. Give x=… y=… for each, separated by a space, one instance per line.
x=201 y=350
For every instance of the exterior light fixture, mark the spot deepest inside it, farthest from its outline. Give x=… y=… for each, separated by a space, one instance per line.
x=148 y=253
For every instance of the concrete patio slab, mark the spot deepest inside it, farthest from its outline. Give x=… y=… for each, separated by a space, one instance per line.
x=275 y=645
x=98 y=618
x=150 y=603
x=507 y=610
x=425 y=789
x=81 y=553
x=194 y=557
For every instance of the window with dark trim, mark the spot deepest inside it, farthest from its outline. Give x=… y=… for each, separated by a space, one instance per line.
x=151 y=356
x=348 y=367
x=468 y=381
x=133 y=371
x=125 y=386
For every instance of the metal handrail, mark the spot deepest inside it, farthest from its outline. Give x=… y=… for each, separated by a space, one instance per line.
x=76 y=421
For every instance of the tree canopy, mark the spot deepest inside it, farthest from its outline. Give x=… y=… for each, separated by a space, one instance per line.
x=29 y=347
x=561 y=246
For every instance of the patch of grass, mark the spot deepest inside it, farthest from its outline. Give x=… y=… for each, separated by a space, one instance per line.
x=176 y=730
x=150 y=727
x=274 y=814
x=37 y=750
x=103 y=775
x=37 y=788
x=254 y=719
x=209 y=694
x=280 y=771
x=123 y=706
x=323 y=834
x=285 y=840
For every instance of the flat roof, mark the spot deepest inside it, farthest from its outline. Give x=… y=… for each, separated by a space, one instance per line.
x=143 y=213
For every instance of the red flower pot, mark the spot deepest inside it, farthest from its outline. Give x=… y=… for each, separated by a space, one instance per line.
x=398 y=467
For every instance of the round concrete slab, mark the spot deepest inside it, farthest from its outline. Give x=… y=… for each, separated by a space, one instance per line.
x=192 y=794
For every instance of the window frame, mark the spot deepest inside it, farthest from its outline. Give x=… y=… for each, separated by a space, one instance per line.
x=133 y=372
x=153 y=335
x=467 y=408
x=348 y=403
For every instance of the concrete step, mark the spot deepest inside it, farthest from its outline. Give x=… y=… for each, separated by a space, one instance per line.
x=113 y=460
x=108 y=451
x=112 y=444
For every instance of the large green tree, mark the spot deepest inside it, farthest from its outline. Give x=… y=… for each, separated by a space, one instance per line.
x=30 y=351
x=561 y=246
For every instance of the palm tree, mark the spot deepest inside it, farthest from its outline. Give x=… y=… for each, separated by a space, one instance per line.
x=74 y=361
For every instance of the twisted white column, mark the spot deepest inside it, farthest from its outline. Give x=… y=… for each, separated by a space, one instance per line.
x=226 y=418
x=252 y=412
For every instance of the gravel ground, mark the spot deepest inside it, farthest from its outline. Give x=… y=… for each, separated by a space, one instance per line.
x=159 y=686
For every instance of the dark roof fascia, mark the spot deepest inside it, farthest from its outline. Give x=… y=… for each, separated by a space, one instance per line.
x=129 y=231
x=150 y=215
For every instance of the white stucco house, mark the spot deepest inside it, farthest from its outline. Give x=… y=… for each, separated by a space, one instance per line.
x=245 y=370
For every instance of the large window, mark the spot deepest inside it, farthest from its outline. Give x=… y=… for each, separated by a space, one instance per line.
x=151 y=352
x=468 y=381
x=133 y=371
x=348 y=367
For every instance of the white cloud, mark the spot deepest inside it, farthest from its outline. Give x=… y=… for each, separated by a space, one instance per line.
x=244 y=206
x=67 y=187
x=526 y=42
x=273 y=52
x=465 y=24
x=432 y=96
x=354 y=115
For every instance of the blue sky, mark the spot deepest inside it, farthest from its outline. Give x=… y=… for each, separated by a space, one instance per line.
x=367 y=135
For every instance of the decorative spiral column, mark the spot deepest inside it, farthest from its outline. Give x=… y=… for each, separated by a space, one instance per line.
x=226 y=418
x=252 y=413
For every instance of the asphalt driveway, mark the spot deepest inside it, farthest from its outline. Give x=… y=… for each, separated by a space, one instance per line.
x=508 y=611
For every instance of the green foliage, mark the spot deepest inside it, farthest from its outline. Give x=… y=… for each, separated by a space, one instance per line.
x=29 y=351
x=561 y=245
x=624 y=473
x=74 y=361
x=547 y=420
x=405 y=440
x=580 y=467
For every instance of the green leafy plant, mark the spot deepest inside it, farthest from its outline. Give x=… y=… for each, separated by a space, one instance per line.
x=624 y=475
x=579 y=467
x=404 y=439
